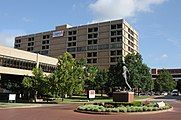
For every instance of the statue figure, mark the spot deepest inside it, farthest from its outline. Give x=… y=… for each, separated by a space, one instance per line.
x=125 y=75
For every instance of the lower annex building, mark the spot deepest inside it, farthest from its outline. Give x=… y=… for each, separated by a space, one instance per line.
x=100 y=44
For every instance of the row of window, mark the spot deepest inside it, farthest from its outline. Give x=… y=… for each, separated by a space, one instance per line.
x=95 y=47
x=17 y=63
x=24 y=64
x=94 y=60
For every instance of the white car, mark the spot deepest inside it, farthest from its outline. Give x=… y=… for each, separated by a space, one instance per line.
x=175 y=93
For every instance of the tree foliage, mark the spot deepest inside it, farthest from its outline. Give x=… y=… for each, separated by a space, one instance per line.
x=37 y=83
x=164 y=82
x=68 y=77
x=140 y=76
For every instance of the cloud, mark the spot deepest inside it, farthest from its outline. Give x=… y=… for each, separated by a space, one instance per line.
x=26 y=19
x=174 y=42
x=116 y=9
x=164 y=56
x=7 y=37
x=160 y=57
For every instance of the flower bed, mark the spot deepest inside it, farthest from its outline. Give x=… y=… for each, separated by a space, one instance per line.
x=122 y=107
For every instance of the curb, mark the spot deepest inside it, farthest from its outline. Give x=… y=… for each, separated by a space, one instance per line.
x=116 y=113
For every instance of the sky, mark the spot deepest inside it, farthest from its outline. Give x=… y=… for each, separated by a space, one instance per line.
x=158 y=22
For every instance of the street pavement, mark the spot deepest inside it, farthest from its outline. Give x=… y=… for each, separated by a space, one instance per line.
x=66 y=112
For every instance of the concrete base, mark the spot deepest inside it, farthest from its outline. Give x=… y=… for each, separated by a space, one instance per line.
x=123 y=96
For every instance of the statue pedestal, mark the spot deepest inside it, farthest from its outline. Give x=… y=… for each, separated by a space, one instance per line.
x=123 y=96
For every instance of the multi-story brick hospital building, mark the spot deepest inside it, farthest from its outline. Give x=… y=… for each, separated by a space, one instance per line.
x=100 y=44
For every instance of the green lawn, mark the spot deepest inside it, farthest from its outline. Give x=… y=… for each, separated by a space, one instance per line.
x=11 y=105
x=83 y=99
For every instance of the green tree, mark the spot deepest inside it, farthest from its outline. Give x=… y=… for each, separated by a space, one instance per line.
x=68 y=77
x=140 y=77
x=164 y=82
x=115 y=77
x=35 y=84
x=101 y=80
x=90 y=73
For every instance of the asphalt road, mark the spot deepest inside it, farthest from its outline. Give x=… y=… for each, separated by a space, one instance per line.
x=65 y=112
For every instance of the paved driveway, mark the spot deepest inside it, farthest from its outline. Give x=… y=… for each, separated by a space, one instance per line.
x=65 y=112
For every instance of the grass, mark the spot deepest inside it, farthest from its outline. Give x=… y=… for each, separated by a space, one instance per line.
x=10 y=105
x=83 y=99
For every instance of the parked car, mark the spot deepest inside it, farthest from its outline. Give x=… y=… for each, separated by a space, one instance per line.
x=175 y=93
x=164 y=93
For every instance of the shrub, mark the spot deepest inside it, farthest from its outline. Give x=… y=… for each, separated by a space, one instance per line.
x=145 y=108
x=137 y=103
x=122 y=109
x=108 y=109
x=115 y=110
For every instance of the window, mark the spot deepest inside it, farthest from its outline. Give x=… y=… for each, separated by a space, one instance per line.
x=71 y=49
x=46 y=36
x=119 y=52
x=115 y=45
x=89 y=54
x=17 y=45
x=45 y=52
x=113 y=33
x=104 y=46
x=113 y=26
x=45 y=42
x=94 y=29
x=113 y=53
x=119 y=26
x=71 y=44
x=18 y=41
x=89 y=60
x=89 y=42
x=30 y=49
x=31 y=39
x=92 y=41
x=31 y=44
x=45 y=47
x=72 y=38
x=92 y=54
x=94 y=60
x=73 y=32
x=79 y=49
x=113 y=59
x=92 y=47
x=119 y=32
x=90 y=29
x=113 y=39
x=90 y=36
